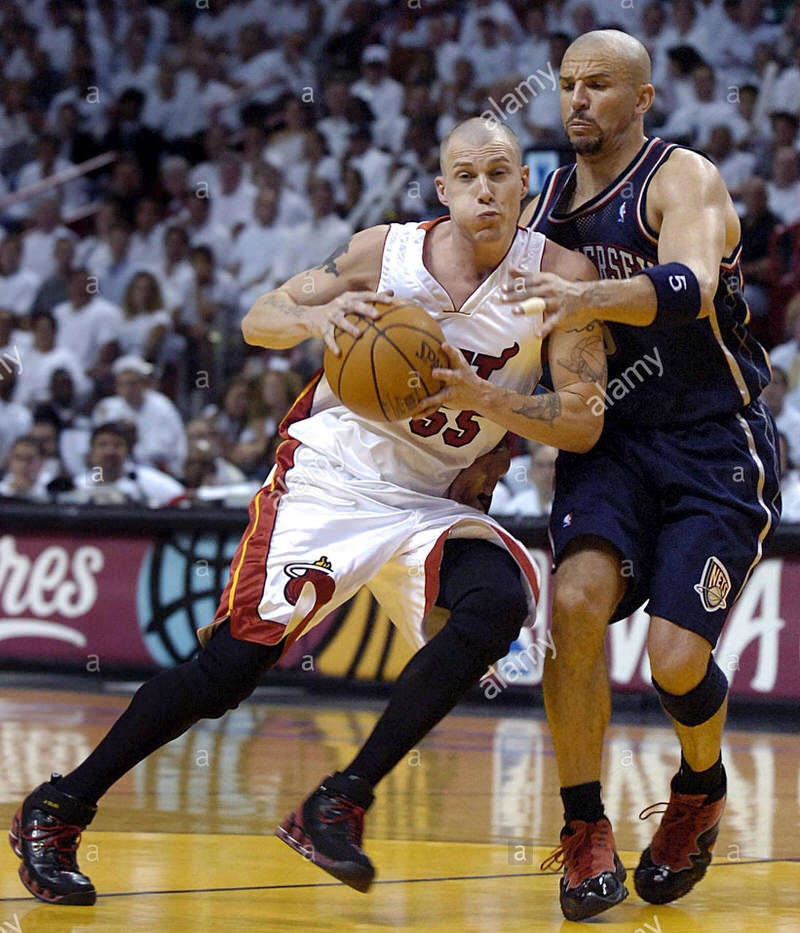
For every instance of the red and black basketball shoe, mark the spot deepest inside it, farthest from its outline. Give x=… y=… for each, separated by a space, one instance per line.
x=327 y=829
x=680 y=852
x=593 y=872
x=45 y=834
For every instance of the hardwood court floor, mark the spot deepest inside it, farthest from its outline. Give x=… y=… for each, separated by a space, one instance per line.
x=184 y=843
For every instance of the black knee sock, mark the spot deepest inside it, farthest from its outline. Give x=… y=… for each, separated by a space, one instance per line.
x=710 y=782
x=430 y=685
x=582 y=802
x=221 y=676
x=480 y=584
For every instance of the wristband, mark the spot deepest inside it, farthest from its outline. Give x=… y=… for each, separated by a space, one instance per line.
x=677 y=294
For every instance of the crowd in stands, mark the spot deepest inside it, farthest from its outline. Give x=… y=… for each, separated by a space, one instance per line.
x=248 y=140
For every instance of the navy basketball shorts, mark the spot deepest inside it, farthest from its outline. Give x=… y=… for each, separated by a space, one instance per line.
x=689 y=509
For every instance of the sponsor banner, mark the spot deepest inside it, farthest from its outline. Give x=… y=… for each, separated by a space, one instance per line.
x=138 y=600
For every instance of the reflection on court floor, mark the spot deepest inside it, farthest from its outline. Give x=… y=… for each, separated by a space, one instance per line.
x=457 y=832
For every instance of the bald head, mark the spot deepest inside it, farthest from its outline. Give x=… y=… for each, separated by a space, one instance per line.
x=479 y=131
x=625 y=53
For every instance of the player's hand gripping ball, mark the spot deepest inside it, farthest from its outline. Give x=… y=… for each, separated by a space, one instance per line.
x=385 y=372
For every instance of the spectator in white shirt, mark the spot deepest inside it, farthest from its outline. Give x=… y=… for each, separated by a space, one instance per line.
x=258 y=249
x=111 y=478
x=786 y=90
x=316 y=238
x=335 y=126
x=537 y=496
x=783 y=191
x=166 y=103
x=54 y=289
x=373 y=163
x=382 y=94
x=207 y=103
x=173 y=269
x=148 y=235
x=786 y=355
x=48 y=162
x=693 y=121
x=39 y=240
x=15 y=419
x=492 y=58
x=285 y=146
x=18 y=286
x=258 y=67
x=202 y=229
x=23 y=477
x=55 y=36
x=232 y=201
x=735 y=166
x=87 y=324
x=145 y=322
x=787 y=417
x=174 y=176
x=293 y=206
x=138 y=72
x=160 y=435
x=113 y=265
x=543 y=116
x=42 y=359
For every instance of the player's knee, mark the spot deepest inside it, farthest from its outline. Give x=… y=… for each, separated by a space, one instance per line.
x=696 y=705
x=581 y=612
x=490 y=617
x=678 y=657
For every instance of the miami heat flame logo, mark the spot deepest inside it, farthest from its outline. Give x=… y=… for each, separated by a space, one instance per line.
x=318 y=574
x=714 y=585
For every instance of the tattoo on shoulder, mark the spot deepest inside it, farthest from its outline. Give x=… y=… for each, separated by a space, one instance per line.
x=329 y=265
x=586 y=360
x=544 y=407
x=586 y=327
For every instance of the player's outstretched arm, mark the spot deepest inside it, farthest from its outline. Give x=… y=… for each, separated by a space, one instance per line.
x=314 y=303
x=569 y=417
x=689 y=198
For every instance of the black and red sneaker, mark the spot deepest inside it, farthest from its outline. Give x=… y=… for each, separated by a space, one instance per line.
x=681 y=849
x=327 y=829
x=45 y=834
x=593 y=872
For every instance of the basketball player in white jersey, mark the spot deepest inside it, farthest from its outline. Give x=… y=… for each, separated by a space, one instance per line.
x=352 y=502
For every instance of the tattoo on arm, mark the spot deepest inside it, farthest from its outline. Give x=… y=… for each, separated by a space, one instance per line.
x=577 y=330
x=544 y=407
x=585 y=360
x=280 y=301
x=329 y=265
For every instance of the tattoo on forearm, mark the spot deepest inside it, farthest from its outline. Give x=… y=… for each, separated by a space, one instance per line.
x=329 y=265
x=544 y=407
x=279 y=301
x=586 y=360
x=577 y=330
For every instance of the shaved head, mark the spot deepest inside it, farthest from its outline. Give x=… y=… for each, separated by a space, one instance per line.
x=622 y=52
x=478 y=131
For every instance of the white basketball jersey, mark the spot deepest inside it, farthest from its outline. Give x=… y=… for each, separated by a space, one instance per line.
x=426 y=454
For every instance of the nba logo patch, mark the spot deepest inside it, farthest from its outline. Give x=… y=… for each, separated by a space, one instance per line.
x=566 y=521
x=623 y=209
x=714 y=585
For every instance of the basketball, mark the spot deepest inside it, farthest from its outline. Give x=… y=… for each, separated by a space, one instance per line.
x=385 y=372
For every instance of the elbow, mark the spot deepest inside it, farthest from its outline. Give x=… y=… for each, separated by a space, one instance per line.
x=588 y=437
x=248 y=328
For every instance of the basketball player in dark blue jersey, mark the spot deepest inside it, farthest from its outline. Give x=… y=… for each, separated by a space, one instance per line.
x=678 y=499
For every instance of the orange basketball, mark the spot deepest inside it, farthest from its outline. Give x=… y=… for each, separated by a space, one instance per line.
x=385 y=372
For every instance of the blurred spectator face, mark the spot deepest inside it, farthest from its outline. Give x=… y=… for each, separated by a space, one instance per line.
x=784 y=167
x=78 y=288
x=754 y=195
x=129 y=106
x=6 y=325
x=314 y=146
x=535 y=21
x=353 y=185
x=142 y=293
x=488 y=30
x=62 y=388
x=751 y=13
x=10 y=252
x=198 y=209
x=67 y=120
x=202 y=439
x=166 y=80
x=131 y=387
x=175 y=176
x=720 y=143
x=583 y=18
x=463 y=73
x=784 y=130
x=266 y=207
x=214 y=142
x=235 y=402
x=46 y=213
x=105 y=218
x=747 y=101
x=44 y=333
x=773 y=395
x=652 y=19
x=275 y=392
x=24 y=464
x=198 y=470
x=703 y=80
x=176 y=244
x=321 y=193
x=683 y=12
x=46 y=150
x=249 y=41
x=118 y=239
x=542 y=471
x=203 y=266
x=146 y=215
x=230 y=172
x=46 y=436
x=108 y=451
x=266 y=175
x=64 y=252
x=336 y=97
x=294 y=114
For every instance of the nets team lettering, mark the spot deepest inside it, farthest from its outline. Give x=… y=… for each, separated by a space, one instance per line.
x=614 y=262
x=467 y=427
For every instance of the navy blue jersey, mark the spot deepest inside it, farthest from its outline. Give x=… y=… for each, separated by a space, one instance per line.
x=709 y=367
